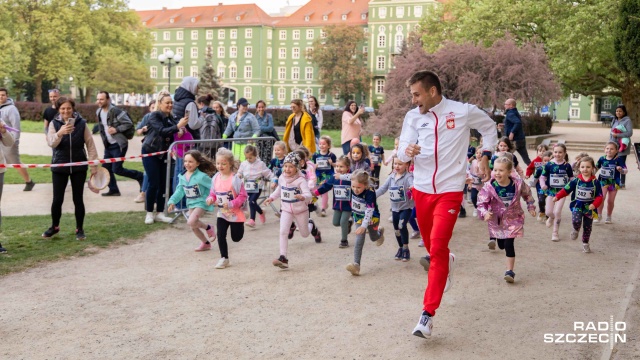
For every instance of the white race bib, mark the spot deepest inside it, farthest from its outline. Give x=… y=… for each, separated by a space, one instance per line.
x=375 y=158
x=289 y=194
x=251 y=186
x=323 y=164
x=358 y=205
x=396 y=194
x=476 y=180
x=585 y=193
x=607 y=173
x=192 y=192
x=223 y=198
x=557 y=180
x=341 y=192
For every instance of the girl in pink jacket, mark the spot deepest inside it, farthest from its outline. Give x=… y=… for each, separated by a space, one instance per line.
x=293 y=191
x=499 y=205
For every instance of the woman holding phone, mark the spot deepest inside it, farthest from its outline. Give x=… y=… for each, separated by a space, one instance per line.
x=69 y=135
x=351 y=125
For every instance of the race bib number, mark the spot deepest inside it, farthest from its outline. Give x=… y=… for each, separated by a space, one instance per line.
x=584 y=193
x=607 y=173
x=358 y=205
x=396 y=194
x=192 y=192
x=289 y=194
x=476 y=180
x=323 y=164
x=223 y=198
x=341 y=192
x=375 y=159
x=557 y=181
x=251 y=186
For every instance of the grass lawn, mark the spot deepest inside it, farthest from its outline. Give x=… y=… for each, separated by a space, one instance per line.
x=21 y=236
x=31 y=126
x=386 y=143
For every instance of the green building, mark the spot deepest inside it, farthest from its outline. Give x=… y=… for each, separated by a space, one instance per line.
x=585 y=108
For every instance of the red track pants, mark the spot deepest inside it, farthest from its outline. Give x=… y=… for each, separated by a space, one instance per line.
x=436 y=215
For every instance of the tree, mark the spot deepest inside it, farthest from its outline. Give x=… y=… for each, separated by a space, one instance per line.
x=341 y=61
x=626 y=45
x=471 y=73
x=209 y=80
x=578 y=37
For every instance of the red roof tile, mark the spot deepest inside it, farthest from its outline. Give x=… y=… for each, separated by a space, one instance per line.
x=316 y=9
x=203 y=16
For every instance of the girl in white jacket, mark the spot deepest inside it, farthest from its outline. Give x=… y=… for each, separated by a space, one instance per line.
x=253 y=171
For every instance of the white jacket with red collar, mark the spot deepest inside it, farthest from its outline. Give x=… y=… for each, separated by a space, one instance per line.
x=443 y=135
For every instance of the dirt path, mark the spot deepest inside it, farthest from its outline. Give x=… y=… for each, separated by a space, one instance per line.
x=157 y=299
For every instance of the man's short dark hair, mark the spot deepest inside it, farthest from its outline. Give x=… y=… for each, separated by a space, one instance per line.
x=428 y=79
x=106 y=94
x=5 y=90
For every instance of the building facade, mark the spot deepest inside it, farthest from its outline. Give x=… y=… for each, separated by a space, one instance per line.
x=262 y=57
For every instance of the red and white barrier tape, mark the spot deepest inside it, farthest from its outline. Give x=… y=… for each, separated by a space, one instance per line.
x=81 y=163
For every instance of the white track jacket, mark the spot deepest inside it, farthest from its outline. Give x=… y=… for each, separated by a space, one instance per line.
x=443 y=135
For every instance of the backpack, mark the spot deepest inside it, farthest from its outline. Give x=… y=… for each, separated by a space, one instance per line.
x=130 y=131
x=210 y=130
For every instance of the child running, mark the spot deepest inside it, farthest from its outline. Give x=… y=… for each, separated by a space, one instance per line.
x=324 y=160
x=506 y=146
x=586 y=196
x=537 y=162
x=228 y=193
x=293 y=191
x=194 y=183
x=360 y=158
x=611 y=167
x=308 y=170
x=499 y=205
x=542 y=197
x=393 y=155
x=399 y=185
x=377 y=157
x=555 y=176
x=476 y=180
x=341 y=198
x=366 y=216
x=253 y=171
x=275 y=165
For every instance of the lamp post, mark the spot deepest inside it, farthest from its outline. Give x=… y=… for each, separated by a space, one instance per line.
x=170 y=59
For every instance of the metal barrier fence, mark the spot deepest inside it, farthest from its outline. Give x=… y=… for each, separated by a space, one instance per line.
x=209 y=148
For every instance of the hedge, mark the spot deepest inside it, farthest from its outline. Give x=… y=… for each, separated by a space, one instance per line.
x=534 y=124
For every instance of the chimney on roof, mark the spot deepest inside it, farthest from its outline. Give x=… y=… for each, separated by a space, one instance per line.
x=219 y=4
x=164 y=9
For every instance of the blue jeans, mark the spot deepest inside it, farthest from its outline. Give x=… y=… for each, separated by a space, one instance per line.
x=156 y=170
x=117 y=168
x=145 y=183
x=346 y=147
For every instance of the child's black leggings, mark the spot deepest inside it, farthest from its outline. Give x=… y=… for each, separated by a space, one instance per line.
x=507 y=246
x=253 y=204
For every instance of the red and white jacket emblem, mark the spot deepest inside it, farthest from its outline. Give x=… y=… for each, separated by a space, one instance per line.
x=451 y=120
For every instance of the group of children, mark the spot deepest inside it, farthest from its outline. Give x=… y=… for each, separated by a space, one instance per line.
x=587 y=182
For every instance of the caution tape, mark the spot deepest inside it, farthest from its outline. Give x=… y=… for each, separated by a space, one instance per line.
x=80 y=163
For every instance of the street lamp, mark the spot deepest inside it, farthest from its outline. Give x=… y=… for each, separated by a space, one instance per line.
x=170 y=59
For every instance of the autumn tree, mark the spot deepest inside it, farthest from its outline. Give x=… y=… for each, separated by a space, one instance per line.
x=470 y=73
x=341 y=61
x=209 y=80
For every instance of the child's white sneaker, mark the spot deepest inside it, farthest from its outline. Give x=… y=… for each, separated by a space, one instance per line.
x=222 y=263
x=574 y=234
x=149 y=218
x=586 y=248
x=608 y=220
x=475 y=212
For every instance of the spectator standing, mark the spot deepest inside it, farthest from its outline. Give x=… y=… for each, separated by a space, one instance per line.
x=299 y=128
x=622 y=120
x=351 y=125
x=185 y=103
x=242 y=124
x=11 y=117
x=514 y=130
x=265 y=120
x=50 y=112
x=314 y=109
x=6 y=138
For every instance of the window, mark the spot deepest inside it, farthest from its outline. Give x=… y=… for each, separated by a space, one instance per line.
x=221 y=34
x=295 y=53
x=323 y=96
x=308 y=92
x=180 y=51
x=606 y=104
x=209 y=35
x=179 y=72
x=283 y=35
x=365 y=49
x=344 y=16
x=221 y=51
x=382 y=12
x=248 y=72
x=323 y=34
x=381 y=63
x=154 y=72
x=308 y=73
x=165 y=72
x=166 y=35
x=247 y=92
x=154 y=53
x=399 y=42
x=194 y=71
x=268 y=72
x=248 y=33
x=233 y=72
x=282 y=73
x=269 y=34
x=575 y=96
x=295 y=93
x=309 y=34
x=336 y=96
x=380 y=86
x=154 y=36
x=308 y=53
x=382 y=41
x=233 y=34
x=306 y=18
x=215 y=19
x=269 y=52
x=363 y=16
x=194 y=52
x=296 y=34
x=221 y=72
x=400 y=11
x=233 y=52
x=575 y=113
x=194 y=34
x=248 y=51
x=417 y=10
x=295 y=73
x=164 y=50
x=180 y=35
x=281 y=94
x=282 y=53
x=325 y=17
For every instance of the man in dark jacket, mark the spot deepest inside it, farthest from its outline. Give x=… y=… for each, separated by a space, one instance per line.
x=513 y=129
x=113 y=122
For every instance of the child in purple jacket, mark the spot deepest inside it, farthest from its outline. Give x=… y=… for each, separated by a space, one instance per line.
x=499 y=205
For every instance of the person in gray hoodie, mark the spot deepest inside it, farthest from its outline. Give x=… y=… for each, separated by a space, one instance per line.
x=11 y=117
x=622 y=119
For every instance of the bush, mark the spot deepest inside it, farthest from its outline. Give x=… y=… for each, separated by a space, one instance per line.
x=33 y=111
x=533 y=124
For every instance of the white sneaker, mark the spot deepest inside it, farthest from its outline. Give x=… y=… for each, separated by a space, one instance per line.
x=555 y=237
x=549 y=222
x=391 y=218
x=380 y=240
x=354 y=269
x=586 y=248
x=162 y=218
x=421 y=243
x=140 y=198
x=475 y=212
x=608 y=220
x=149 y=218
x=491 y=244
x=222 y=263
x=425 y=324
x=415 y=235
x=574 y=234
x=449 y=284
x=597 y=221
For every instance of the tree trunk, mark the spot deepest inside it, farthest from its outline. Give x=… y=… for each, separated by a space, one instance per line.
x=37 y=95
x=88 y=92
x=631 y=100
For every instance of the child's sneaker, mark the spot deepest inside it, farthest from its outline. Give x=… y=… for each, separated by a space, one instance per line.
x=421 y=243
x=48 y=234
x=475 y=213
x=251 y=223
x=406 y=255
x=391 y=218
x=203 y=247
x=449 y=284
x=278 y=214
x=2 y=250
x=80 y=235
x=509 y=276
x=425 y=262
x=315 y=232
x=282 y=262
x=492 y=244
x=574 y=234
x=211 y=233
x=262 y=217
x=344 y=244
x=462 y=213
x=608 y=220
x=292 y=229
x=541 y=217
x=425 y=324
x=323 y=213
x=354 y=269
x=554 y=236
x=380 y=240
x=415 y=235
x=222 y=263
x=149 y=218
x=586 y=248
x=549 y=222
x=597 y=221
x=318 y=237
x=399 y=254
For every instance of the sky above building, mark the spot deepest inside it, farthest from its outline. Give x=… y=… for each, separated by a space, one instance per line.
x=269 y=6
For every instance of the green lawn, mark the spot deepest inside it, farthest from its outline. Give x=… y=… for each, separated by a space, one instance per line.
x=21 y=236
x=386 y=143
x=44 y=175
x=31 y=126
